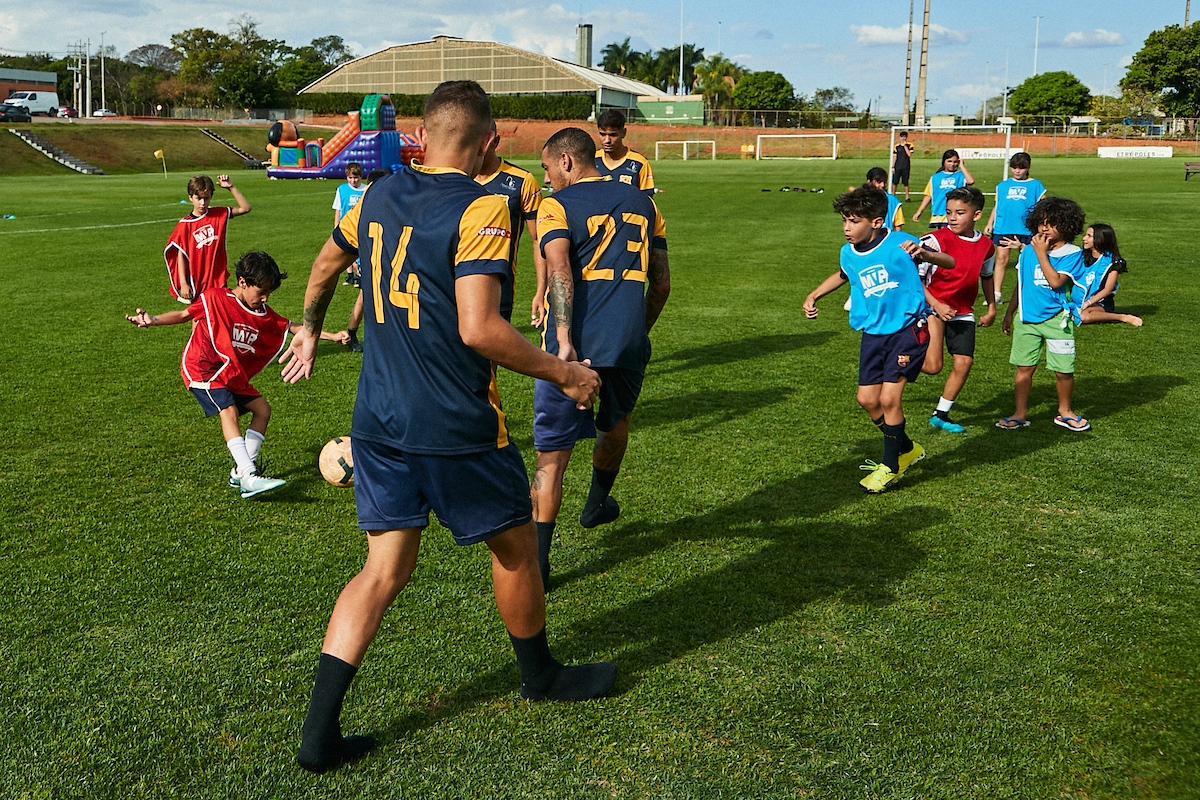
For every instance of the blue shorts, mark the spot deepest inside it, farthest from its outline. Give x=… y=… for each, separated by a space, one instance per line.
x=214 y=401
x=476 y=496
x=1025 y=238
x=558 y=424
x=890 y=357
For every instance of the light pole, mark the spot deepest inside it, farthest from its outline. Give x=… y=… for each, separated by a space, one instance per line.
x=1037 y=24
x=103 y=97
x=681 y=48
x=908 y=66
x=922 y=68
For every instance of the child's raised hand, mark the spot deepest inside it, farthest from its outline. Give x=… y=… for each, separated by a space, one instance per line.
x=142 y=318
x=224 y=182
x=1041 y=243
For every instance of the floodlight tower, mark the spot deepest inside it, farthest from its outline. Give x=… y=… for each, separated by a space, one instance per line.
x=922 y=69
x=908 y=66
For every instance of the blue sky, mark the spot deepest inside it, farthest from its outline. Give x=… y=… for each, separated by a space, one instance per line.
x=810 y=43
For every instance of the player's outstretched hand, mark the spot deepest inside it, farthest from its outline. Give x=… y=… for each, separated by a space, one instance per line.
x=142 y=318
x=1011 y=242
x=224 y=182
x=341 y=337
x=582 y=384
x=299 y=357
x=810 y=307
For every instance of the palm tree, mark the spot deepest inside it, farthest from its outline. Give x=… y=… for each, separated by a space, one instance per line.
x=716 y=77
x=618 y=58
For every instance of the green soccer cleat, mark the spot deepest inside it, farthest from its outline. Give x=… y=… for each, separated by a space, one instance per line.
x=255 y=484
x=880 y=479
x=911 y=457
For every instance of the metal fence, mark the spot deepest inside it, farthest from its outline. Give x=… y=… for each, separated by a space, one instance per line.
x=167 y=111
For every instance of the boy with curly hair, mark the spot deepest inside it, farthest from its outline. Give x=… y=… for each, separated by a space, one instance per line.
x=1041 y=316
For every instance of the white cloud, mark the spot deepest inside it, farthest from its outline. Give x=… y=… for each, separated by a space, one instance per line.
x=879 y=36
x=1097 y=37
x=1125 y=62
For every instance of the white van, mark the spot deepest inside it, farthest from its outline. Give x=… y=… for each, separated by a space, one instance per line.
x=36 y=102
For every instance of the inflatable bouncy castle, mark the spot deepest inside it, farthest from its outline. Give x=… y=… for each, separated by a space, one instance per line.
x=368 y=137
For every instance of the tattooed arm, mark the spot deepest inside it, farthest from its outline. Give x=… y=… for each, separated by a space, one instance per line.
x=659 y=287
x=331 y=262
x=561 y=287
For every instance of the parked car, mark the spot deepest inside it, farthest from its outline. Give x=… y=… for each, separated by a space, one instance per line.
x=13 y=113
x=104 y=112
x=66 y=112
x=35 y=102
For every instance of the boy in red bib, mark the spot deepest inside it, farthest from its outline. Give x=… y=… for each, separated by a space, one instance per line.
x=235 y=335
x=956 y=289
x=195 y=251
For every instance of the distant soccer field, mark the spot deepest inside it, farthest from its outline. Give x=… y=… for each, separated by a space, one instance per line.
x=1019 y=618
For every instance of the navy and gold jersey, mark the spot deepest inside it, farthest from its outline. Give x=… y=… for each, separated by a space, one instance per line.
x=611 y=228
x=633 y=170
x=523 y=195
x=421 y=389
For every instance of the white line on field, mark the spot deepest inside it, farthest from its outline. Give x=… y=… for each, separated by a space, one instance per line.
x=91 y=227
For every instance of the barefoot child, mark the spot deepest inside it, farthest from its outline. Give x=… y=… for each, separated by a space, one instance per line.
x=889 y=307
x=1099 y=283
x=235 y=335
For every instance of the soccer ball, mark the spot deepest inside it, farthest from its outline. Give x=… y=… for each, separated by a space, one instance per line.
x=337 y=465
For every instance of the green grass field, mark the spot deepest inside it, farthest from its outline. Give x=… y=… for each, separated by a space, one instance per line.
x=1018 y=619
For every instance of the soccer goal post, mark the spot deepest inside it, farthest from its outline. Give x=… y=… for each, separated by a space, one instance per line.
x=692 y=148
x=973 y=142
x=796 y=146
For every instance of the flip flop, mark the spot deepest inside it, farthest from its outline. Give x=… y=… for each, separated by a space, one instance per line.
x=1075 y=423
x=1012 y=423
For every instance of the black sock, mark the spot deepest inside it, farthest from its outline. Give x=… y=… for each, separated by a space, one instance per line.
x=891 y=445
x=544 y=678
x=906 y=443
x=545 y=533
x=353 y=334
x=322 y=746
x=878 y=422
x=942 y=415
x=602 y=483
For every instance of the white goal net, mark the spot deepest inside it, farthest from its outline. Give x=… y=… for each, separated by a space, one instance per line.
x=688 y=150
x=796 y=146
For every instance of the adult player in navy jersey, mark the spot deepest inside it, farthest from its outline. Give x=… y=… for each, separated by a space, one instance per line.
x=606 y=251
x=616 y=159
x=524 y=195
x=889 y=305
x=428 y=432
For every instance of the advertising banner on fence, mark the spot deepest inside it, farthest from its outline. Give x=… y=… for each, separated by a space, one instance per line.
x=1135 y=152
x=983 y=152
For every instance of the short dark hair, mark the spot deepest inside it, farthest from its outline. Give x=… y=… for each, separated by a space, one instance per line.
x=969 y=195
x=459 y=110
x=354 y=168
x=903 y=134
x=376 y=174
x=949 y=154
x=1020 y=160
x=877 y=174
x=610 y=120
x=865 y=201
x=259 y=269
x=198 y=184
x=1062 y=214
x=575 y=141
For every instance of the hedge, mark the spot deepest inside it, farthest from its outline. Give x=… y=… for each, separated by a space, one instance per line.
x=529 y=106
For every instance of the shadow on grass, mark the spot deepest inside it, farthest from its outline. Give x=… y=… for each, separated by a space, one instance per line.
x=799 y=563
x=728 y=352
x=707 y=409
x=1095 y=396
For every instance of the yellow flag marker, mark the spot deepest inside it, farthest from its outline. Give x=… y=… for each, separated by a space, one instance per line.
x=159 y=155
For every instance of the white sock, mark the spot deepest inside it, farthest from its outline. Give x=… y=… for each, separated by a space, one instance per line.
x=237 y=449
x=944 y=404
x=254 y=443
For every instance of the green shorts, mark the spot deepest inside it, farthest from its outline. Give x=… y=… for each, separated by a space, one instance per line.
x=1056 y=336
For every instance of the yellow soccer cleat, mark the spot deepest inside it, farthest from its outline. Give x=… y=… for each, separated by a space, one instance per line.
x=911 y=457
x=880 y=479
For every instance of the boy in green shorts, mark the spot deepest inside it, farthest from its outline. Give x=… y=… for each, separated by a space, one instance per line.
x=1041 y=316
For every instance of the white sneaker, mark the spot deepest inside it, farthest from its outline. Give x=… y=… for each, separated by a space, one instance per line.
x=255 y=484
x=235 y=480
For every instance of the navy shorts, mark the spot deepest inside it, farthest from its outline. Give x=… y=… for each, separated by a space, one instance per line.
x=1025 y=238
x=476 y=496
x=214 y=401
x=558 y=424
x=890 y=357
